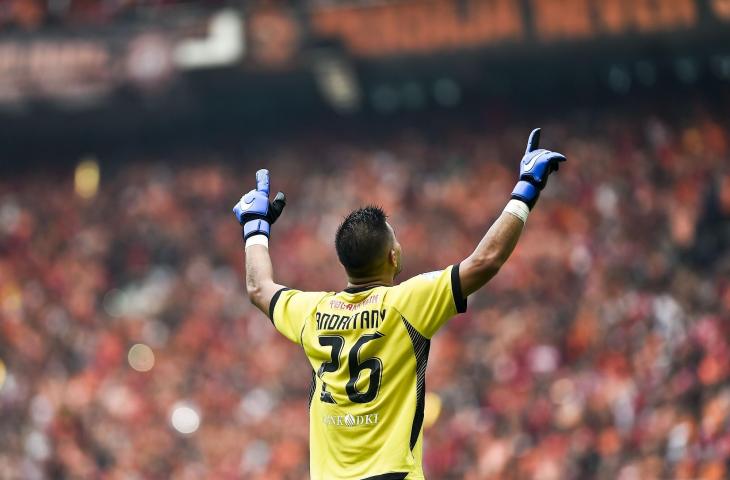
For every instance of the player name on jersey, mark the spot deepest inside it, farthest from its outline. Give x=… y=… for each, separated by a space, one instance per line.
x=364 y=319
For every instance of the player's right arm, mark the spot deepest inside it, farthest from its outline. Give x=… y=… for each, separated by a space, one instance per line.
x=501 y=238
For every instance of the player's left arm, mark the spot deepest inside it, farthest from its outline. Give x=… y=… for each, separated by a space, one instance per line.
x=256 y=214
x=260 y=284
x=501 y=238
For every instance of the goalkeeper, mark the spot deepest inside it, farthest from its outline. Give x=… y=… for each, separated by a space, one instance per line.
x=368 y=344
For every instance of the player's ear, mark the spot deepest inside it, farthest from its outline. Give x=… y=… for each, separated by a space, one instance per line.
x=393 y=257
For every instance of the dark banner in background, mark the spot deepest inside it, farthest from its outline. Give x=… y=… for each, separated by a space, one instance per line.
x=84 y=66
x=417 y=27
x=423 y=27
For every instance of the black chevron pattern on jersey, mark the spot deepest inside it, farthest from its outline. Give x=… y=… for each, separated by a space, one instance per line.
x=312 y=388
x=421 y=347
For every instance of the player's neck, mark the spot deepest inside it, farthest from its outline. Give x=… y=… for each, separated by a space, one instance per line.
x=359 y=282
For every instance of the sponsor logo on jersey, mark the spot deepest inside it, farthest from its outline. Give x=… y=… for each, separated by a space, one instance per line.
x=340 y=305
x=350 y=420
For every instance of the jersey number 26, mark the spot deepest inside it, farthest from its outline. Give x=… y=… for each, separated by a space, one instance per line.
x=355 y=366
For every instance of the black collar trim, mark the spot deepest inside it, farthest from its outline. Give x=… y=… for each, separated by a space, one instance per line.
x=363 y=288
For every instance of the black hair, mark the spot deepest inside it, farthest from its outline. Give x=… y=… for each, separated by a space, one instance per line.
x=362 y=240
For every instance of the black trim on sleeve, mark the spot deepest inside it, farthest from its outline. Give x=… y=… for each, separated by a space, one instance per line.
x=389 y=476
x=459 y=298
x=272 y=305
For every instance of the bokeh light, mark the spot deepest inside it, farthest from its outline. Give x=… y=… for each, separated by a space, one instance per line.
x=3 y=373
x=86 y=178
x=432 y=410
x=185 y=418
x=141 y=357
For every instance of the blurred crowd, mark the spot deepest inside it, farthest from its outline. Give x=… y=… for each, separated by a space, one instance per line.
x=601 y=350
x=31 y=15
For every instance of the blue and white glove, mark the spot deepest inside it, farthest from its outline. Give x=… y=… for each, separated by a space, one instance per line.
x=535 y=167
x=254 y=211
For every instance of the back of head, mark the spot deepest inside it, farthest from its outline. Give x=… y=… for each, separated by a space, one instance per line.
x=363 y=241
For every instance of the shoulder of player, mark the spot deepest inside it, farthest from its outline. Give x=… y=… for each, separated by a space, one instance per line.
x=304 y=299
x=417 y=282
x=425 y=277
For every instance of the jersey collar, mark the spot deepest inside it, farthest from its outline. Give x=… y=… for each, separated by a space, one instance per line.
x=363 y=288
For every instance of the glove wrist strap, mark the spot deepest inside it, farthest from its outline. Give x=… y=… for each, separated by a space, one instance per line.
x=255 y=227
x=526 y=192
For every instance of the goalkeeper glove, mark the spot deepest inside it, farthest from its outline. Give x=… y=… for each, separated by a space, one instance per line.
x=535 y=167
x=254 y=211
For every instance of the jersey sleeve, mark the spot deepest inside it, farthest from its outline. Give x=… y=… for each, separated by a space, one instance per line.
x=289 y=309
x=428 y=300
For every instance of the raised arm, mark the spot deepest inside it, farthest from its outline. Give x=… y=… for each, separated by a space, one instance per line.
x=501 y=238
x=256 y=215
x=260 y=284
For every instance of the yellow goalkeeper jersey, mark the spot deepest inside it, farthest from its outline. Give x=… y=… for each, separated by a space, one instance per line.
x=368 y=349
